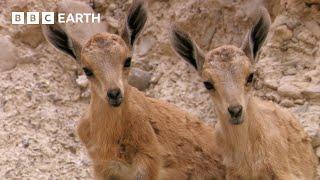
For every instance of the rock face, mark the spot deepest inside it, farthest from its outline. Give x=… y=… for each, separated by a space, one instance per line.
x=41 y=102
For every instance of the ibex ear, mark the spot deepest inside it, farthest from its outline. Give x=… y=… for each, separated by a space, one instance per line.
x=135 y=21
x=59 y=39
x=257 y=35
x=187 y=48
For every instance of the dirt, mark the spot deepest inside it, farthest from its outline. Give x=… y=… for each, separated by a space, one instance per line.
x=41 y=101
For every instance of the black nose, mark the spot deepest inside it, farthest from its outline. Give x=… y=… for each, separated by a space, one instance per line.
x=235 y=111
x=114 y=94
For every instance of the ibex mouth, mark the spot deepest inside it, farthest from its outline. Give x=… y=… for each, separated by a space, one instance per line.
x=115 y=103
x=236 y=121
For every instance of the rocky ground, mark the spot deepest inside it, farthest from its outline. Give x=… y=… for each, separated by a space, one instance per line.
x=43 y=93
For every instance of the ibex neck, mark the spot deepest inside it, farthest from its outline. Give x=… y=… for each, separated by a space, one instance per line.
x=103 y=113
x=239 y=137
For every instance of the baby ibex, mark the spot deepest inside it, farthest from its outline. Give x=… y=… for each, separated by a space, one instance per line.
x=257 y=139
x=128 y=135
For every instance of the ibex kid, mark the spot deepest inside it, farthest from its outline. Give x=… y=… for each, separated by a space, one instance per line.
x=128 y=135
x=257 y=139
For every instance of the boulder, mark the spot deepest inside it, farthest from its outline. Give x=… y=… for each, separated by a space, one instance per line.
x=8 y=56
x=30 y=35
x=139 y=79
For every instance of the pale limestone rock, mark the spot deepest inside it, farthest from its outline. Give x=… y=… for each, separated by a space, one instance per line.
x=289 y=90
x=312 y=92
x=82 y=81
x=8 y=56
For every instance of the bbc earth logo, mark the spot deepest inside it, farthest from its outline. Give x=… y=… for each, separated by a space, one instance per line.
x=51 y=17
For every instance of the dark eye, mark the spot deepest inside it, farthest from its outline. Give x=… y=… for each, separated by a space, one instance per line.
x=208 y=85
x=127 y=63
x=88 y=72
x=250 y=78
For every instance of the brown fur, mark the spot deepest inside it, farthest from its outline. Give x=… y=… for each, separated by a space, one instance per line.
x=143 y=135
x=269 y=143
x=142 y=138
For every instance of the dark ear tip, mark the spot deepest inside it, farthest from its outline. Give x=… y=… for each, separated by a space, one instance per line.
x=264 y=20
x=136 y=20
x=178 y=33
x=176 y=30
x=258 y=34
x=58 y=38
x=138 y=5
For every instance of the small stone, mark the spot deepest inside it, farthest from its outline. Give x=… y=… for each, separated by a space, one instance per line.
x=271 y=83
x=82 y=81
x=273 y=97
x=299 y=101
x=288 y=90
x=312 y=92
x=287 y=103
x=139 y=79
x=258 y=85
x=283 y=33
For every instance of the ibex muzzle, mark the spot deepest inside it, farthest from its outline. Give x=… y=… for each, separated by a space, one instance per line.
x=114 y=97
x=235 y=112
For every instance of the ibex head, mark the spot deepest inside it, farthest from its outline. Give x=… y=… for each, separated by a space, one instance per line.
x=105 y=58
x=227 y=70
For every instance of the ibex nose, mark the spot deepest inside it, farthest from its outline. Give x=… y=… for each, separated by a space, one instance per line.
x=235 y=111
x=114 y=94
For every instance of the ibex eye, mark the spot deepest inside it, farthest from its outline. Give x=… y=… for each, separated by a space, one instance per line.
x=127 y=63
x=250 y=78
x=88 y=72
x=208 y=85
